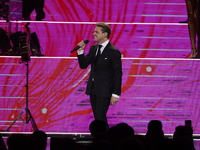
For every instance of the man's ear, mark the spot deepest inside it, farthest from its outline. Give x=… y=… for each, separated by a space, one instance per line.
x=105 y=34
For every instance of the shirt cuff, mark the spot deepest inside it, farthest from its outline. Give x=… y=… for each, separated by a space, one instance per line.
x=115 y=95
x=80 y=52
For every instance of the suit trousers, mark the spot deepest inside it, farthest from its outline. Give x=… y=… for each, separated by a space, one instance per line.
x=99 y=106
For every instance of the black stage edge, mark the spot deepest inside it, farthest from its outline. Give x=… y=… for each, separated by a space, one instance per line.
x=79 y=136
x=82 y=139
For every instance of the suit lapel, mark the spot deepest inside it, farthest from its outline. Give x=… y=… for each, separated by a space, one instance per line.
x=104 y=54
x=106 y=50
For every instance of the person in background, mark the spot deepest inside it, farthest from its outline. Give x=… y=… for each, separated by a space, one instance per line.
x=192 y=12
x=29 y=5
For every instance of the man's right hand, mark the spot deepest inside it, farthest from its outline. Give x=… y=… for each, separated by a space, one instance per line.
x=82 y=45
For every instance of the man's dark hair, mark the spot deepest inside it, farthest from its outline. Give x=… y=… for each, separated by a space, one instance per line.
x=104 y=28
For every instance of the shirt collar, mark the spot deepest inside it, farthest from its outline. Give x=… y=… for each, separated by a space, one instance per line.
x=105 y=43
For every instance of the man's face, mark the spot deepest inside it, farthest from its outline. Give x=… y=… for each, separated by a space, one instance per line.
x=99 y=36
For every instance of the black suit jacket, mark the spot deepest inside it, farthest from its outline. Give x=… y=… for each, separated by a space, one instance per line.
x=106 y=74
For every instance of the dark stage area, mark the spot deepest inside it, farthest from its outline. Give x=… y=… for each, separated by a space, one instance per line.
x=83 y=140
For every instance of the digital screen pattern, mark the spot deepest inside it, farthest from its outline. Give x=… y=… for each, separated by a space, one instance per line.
x=159 y=81
x=167 y=90
x=141 y=29
x=138 y=41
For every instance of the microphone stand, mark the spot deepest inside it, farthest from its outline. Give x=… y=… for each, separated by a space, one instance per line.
x=25 y=57
x=28 y=115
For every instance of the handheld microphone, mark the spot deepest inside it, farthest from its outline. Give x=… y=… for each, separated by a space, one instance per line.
x=76 y=48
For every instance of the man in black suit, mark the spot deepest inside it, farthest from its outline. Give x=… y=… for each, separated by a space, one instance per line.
x=104 y=83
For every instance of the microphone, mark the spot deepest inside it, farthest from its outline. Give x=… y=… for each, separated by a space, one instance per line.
x=76 y=48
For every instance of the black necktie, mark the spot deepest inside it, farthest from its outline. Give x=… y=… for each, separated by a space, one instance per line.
x=98 y=53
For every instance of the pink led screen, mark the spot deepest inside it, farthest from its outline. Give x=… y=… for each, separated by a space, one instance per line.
x=159 y=81
x=140 y=29
x=152 y=89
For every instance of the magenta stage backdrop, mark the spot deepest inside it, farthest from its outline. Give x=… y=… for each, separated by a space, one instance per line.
x=140 y=41
x=167 y=90
x=141 y=29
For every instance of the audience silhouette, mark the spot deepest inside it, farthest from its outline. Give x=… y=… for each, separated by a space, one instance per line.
x=154 y=138
x=119 y=137
x=97 y=127
x=98 y=131
x=19 y=142
x=119 y=133
x=67 y=143
x=182 y=139
x=39 y=140
x=131 y=143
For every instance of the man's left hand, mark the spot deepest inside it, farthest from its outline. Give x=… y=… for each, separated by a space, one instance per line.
x=113 y=100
